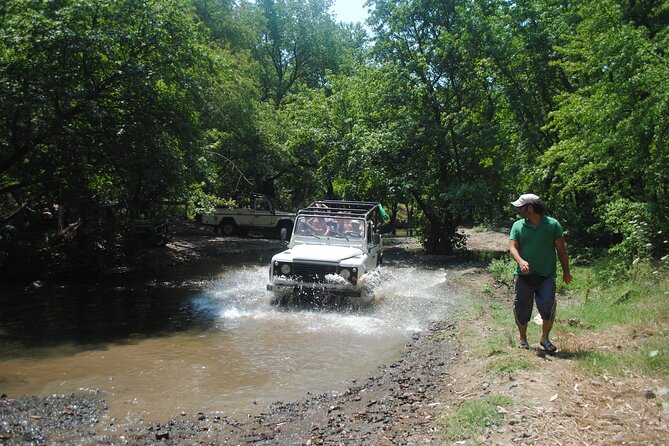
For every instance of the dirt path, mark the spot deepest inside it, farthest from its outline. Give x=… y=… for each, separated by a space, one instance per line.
x=405 y=403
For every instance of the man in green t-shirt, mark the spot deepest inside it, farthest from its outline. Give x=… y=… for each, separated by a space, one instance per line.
x=535 y=242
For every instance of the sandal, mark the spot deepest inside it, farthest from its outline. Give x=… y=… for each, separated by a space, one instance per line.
x=523 y=344
x=548 y=346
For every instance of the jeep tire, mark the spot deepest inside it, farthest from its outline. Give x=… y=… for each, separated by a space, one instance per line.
x=228 y=227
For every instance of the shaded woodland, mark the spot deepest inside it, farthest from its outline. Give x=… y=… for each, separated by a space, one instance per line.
x=122 y=111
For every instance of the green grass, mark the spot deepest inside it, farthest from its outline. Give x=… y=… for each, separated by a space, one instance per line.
x=651 y=360
x=598 y=315
x=634 y=302
x=500 y=343
x=493 y=344
x=484 y=227
x=507 y=365
x=599 y=304
x=597 y=301
x=469 y=308
x=600 y=362
x=472 y=417
x=502 y=314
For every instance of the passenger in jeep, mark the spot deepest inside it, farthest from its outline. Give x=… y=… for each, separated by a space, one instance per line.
x=332 y=229
x=318 y=226
x=311 y=226
x=351 y=228
x=356 y=228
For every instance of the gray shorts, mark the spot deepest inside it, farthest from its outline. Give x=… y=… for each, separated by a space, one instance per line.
x=530 y=289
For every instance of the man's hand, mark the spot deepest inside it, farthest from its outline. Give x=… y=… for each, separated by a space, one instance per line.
x=564 y=260
x=514 y=250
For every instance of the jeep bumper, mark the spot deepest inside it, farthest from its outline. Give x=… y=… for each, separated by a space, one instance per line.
x=316 y=286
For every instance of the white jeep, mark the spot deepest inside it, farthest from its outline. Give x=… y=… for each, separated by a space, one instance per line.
x=333 y=248
x=260 y=213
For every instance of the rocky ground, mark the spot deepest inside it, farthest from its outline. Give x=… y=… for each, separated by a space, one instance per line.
x=405 y=403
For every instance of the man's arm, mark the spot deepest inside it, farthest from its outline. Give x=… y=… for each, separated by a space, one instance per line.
x=564 y=259
x=514 y=250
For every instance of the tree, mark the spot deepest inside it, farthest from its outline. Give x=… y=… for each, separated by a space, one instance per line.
x=614 y=126
x=297 y=43
x=448 y=128
x=101 y=102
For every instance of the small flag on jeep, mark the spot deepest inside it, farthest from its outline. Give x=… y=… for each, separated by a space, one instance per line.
x=383 y=213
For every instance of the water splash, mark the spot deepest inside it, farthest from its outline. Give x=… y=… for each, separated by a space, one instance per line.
x=403 y=300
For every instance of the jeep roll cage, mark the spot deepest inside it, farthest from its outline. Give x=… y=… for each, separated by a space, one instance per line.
x=366 y=210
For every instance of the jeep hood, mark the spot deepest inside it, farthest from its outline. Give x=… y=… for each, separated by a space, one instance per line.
x=324 y=253
x=285 y=214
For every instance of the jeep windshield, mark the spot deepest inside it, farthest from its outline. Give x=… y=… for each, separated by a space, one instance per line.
x=335 y=227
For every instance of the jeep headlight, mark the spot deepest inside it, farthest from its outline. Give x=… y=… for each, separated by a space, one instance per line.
x=283 y=269
x=350 y=274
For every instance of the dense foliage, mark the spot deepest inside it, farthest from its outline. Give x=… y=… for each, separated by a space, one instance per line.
x=115 y=108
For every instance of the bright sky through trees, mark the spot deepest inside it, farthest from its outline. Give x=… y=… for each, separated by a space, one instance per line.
x=350 y=10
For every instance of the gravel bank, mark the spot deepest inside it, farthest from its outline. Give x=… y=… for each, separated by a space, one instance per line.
x=397 y=406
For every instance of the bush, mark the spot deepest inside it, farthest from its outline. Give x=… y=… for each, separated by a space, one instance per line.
x=503 y=270
x=633 y=222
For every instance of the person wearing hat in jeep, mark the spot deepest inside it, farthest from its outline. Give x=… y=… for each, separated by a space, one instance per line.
x=536 y=240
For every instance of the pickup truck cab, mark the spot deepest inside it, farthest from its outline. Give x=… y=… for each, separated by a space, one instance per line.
x=334 y=248
x=261 y=214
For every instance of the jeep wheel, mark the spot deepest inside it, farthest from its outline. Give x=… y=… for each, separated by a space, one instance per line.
x=228 y=227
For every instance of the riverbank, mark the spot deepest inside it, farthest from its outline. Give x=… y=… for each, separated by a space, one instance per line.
x=463 y=381
x=604 y=385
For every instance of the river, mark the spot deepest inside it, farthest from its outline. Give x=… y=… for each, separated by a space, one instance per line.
x=205 y=339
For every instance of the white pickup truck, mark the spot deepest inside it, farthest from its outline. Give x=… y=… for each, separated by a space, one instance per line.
x=334 y=249
x=260 y=214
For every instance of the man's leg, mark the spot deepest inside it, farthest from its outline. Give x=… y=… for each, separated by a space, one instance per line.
x=522 y=306
x=522 y=331
x=546 y=304
x=546 y=330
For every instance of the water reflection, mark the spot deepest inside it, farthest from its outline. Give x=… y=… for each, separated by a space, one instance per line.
x=84 y=316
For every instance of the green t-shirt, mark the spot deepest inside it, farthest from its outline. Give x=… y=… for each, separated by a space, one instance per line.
x=537 y=245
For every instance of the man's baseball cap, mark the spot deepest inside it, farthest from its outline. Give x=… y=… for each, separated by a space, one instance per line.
x=525 y=199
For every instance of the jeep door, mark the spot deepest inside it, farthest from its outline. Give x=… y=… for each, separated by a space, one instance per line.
x=373 y=247
x=263 y=216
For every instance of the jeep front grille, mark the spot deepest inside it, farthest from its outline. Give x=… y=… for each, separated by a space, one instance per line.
x=309 y=272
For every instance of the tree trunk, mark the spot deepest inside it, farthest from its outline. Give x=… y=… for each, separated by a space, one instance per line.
x=441 y=238
x=441 y=232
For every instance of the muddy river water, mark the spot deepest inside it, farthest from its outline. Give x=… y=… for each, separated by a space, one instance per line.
x=207 y=340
